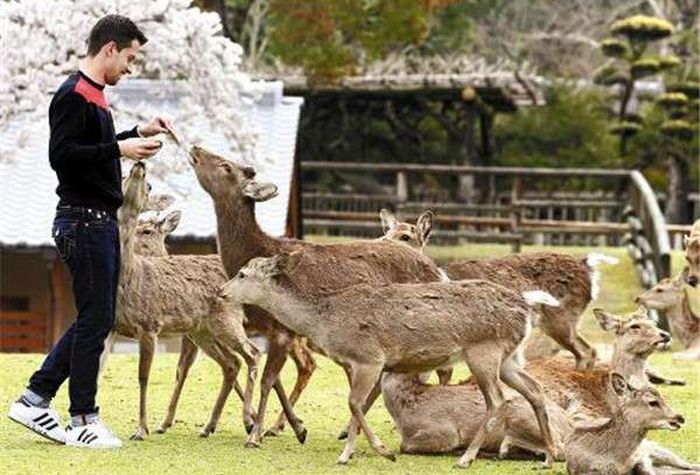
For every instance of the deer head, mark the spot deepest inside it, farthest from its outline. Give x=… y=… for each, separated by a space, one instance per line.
x=665 y=295
x=415 y=236
x=257 y=274
x=644 y=408
x=151 y=233
x=226 y=180
x=636 y=335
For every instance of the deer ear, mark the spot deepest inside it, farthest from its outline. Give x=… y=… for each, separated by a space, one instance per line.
x=619 y=384
x=425 y=226
x=158 y=202
x=607 y=321
x=259 y=191
x=642 y=312
x=168 y=224
x=388 y=220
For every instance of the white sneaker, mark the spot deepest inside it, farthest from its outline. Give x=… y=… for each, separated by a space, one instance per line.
x=94 y=435
x=43 y=421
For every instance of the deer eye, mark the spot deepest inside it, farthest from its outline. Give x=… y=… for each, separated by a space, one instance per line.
x=654 y=404
x=634 y=327
x=241 y=274
x=405 y=237
x=658 y=291
x=146 y=231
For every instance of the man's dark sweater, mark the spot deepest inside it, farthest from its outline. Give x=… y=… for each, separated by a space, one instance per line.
x=83 y=147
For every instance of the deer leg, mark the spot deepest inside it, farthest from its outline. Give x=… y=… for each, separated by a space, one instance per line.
x=515 y=377
x=363 y=380
x=105 y=353
x=444 y=375
x=484 y=363
x=306 y=365
x=376 y=391
x=147 y=345
x=230 y=365
x=276 y=357
x=563 y=328
x=663 y=457
x=188 y=354
x=656 y=378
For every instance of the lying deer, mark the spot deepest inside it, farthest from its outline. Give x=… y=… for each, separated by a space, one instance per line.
x=692 y=255
x=175 y=296
x=671 y=296
x=572 y=281
x=433 y=419
x=616 y=445
x=367 y=329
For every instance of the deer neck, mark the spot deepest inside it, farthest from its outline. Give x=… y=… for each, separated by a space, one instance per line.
x=629 y=364
x=239 y=236
x=299 y=316
x=127 y=220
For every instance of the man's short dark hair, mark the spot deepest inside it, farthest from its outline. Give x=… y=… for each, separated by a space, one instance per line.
x=117 y=28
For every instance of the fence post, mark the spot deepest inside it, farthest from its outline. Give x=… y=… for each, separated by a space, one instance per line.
x=401 y=187
x=515 y=213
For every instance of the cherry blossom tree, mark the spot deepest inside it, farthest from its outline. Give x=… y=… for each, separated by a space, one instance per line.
x=44 y=40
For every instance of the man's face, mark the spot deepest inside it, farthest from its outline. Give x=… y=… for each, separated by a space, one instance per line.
x=119 y=63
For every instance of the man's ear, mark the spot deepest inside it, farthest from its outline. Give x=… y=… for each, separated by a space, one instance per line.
x=388 y=220
x=158 y=202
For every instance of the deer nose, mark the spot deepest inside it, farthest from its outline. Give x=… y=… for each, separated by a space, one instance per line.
x=680 y=419
x=666 y=336
x=636 y=300
x=693 y=281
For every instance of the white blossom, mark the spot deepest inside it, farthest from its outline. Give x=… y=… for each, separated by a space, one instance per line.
x=44 y=40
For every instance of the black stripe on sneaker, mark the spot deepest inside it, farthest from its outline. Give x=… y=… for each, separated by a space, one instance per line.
x=46 y=421
x=91 y=439
x=40 y=417
x=80 y=437
x=52 y=426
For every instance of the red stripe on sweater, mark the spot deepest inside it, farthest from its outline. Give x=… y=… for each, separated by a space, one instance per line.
x=91 y=93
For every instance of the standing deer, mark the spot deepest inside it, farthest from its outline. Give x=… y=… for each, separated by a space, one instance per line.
x=672 y=297
x=367 y=329
x=174 y=296
x=235 y=192
x=616 y=445
x=572 y=281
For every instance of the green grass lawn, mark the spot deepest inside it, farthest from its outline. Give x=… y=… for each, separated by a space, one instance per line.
x=323 y=408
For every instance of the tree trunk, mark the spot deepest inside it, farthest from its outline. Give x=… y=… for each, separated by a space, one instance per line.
x=677 y=207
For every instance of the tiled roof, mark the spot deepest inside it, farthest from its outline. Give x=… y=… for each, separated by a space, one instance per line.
x=27 y=184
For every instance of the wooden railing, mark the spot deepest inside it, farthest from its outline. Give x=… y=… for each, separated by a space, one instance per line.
x=631 y=218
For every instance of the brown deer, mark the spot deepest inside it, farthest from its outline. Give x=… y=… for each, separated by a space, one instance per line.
x=672 y=297
x=175 y=296
x=433 y=419
x=616 y=445
x=235 y=191
x=692 y=255
x=572 y=281
x=414 y=327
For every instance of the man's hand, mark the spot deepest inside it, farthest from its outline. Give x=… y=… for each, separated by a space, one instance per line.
x=138 y=149
x=157 y=125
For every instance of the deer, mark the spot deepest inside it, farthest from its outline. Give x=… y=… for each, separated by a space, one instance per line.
x=433 y=419
x=672 y=297
x=572 y=281
x=616 y=446
x=402 y=327
x=235 y=191
x=176 y=295
x=151 y=233
x=691 y=243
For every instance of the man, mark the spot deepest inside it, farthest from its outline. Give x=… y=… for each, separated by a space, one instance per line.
x=85 y=153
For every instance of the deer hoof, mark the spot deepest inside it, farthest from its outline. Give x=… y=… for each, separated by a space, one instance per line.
x=301 y=435
x=271 y=432
x=137 y=436
x=249 y=428
x=251 y=444
x=343 y=434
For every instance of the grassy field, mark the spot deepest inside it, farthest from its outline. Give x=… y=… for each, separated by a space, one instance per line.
x=323 y=408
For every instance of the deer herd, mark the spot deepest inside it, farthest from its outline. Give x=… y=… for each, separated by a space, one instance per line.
x=388 y=316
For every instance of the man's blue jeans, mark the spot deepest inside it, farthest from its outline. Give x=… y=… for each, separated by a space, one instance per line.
x=88 y=242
